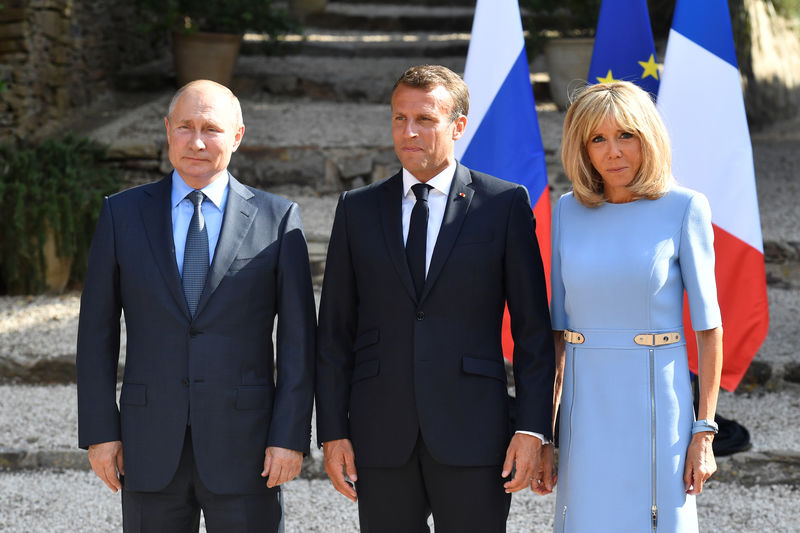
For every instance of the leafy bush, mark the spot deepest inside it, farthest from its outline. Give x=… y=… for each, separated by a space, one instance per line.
x=217 y=16
x=55 y=185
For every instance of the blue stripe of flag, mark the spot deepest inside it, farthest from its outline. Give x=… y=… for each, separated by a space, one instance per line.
x=691 y=20
x=508 y=143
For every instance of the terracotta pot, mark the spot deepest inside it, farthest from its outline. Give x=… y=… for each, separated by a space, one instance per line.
x=206 y=56
x=301 y=8
x=568 y=61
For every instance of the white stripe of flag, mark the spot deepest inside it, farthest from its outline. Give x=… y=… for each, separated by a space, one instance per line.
x=701 y=100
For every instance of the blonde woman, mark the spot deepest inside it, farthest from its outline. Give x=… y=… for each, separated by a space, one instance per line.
x=627 y=242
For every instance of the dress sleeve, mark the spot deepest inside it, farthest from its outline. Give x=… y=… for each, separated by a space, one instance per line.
x=558 y=315
x=696 y=256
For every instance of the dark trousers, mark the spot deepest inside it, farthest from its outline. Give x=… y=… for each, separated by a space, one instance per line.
x=176 y=508
x=461 y=499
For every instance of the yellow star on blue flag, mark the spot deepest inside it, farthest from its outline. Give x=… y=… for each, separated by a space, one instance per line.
x=650 y=67
x=608 y=79
x=623 y=45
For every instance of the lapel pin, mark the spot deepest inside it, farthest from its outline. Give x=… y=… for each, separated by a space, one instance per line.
x=462 y=195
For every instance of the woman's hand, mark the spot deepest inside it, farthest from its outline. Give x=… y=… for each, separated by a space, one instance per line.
x=700 y=462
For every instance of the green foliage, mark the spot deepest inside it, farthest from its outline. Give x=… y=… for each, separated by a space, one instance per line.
x=566 y=17
x=563 y=18
x=57 y=184
x=788 y=8
x=218 y=16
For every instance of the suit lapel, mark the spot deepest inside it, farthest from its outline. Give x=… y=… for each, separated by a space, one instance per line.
x=157 y=220
x=456 y=209
x=391 y=209
x=236 y=221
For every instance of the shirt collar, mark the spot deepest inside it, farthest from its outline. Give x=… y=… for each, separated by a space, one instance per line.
x=214 y=191
x=440 y=182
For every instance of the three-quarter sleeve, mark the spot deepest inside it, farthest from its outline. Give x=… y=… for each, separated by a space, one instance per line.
x=696 y=256
x=558 y=315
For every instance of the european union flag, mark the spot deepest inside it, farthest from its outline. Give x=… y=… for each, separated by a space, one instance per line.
x=623 y=46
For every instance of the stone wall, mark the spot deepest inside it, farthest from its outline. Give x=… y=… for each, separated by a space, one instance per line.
x=769 y=63
x=59 y=55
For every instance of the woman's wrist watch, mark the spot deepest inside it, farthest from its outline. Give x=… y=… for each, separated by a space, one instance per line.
x=699 y=426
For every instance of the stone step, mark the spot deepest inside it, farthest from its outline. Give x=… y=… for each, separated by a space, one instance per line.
x=342 y=79
x=428 y=3
x=392 y=17
x=326 y=146
x=352 y=43
x=347 y=66
x=322 y=78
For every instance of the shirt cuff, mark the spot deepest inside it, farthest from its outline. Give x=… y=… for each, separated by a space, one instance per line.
x=534 y=434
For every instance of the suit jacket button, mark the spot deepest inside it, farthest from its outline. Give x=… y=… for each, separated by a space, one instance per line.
x=420 y=315
x=194 y=332
x=185 y=382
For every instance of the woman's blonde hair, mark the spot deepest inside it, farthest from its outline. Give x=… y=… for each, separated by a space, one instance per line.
x=634 y=111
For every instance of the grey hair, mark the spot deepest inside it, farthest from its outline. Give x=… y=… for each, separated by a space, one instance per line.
x=235 y=105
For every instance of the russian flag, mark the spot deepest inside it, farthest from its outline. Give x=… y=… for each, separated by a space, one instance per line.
x=502 y=136
x=701 y=101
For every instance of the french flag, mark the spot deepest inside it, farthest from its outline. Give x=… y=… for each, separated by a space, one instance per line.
x=700 y=98
x=502 y=136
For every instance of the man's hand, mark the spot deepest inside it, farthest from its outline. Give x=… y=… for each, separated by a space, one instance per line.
x=106 y=461
x=534 y=467
x=281 y=465
x=340 y=461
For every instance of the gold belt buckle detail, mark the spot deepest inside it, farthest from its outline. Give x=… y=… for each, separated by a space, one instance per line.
x=657 y=339
x=573 y=337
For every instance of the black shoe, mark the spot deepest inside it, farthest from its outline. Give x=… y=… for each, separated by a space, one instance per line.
x=732 y=437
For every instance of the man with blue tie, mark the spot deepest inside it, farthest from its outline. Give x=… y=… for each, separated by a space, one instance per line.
x=200 y=265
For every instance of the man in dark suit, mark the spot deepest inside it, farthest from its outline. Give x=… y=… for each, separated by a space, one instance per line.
x=200 y=265
x=411 y=387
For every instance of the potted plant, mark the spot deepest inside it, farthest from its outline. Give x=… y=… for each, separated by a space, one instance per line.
x=206 y=34
x=564 y=30
x=50 y=195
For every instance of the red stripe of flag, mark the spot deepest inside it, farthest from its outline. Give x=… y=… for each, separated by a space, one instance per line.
x=742 y=295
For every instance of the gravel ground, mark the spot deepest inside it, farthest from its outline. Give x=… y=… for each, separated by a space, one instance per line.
x=42 y=417
x=780 y=346
x=48 y=502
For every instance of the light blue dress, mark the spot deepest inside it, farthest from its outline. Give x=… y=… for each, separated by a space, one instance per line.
x=620 y=270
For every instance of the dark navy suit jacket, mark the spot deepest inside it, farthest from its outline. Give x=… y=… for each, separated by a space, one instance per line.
x=390 y=367
x=214 y=371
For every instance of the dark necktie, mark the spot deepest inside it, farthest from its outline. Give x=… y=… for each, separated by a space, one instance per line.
x=418 y=236
x=195 y=256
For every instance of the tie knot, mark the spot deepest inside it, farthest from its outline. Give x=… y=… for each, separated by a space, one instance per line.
x=196 y=197
x=421 y=191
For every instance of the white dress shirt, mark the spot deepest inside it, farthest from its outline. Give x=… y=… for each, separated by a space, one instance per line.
x=182 y=211
x=437 y=202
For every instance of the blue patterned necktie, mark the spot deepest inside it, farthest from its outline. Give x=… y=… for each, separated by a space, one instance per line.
x=195 y=257
x=418 y=237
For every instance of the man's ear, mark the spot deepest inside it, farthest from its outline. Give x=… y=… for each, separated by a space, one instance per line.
x=238 y=136
x=460 y=127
